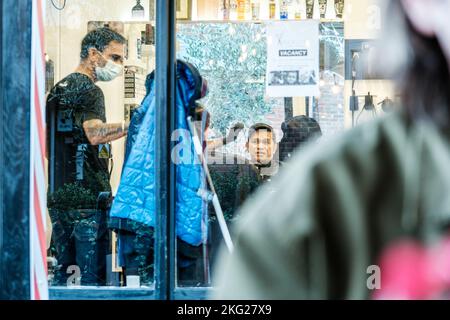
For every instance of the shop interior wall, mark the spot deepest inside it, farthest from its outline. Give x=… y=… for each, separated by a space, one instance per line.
x=364 y=20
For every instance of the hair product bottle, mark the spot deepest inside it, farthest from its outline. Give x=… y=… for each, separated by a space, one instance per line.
x=233 y=9
x=323 y=8
x=284 y=10
x=224 y=12
x=297 y=10
x=241 y=9
x=255 y=9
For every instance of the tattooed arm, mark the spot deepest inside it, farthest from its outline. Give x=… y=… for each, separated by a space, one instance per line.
x=98 y=132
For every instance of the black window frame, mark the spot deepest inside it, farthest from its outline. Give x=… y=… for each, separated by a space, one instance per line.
x=15 y=110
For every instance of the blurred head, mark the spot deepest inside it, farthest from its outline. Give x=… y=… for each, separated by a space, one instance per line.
x=297 y=131
x=417 y=54
x=103 y=50
x=430 y=19
x=261 y=143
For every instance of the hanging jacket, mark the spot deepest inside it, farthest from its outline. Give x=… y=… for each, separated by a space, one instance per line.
x=135 y=201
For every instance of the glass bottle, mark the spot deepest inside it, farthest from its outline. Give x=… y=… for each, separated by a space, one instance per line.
x=339 y=8
x=224 y=12
x=255 y=9
x=233 y=9
x=248 y=9
x=297 y=10
x=322 y=8
x=309 y=9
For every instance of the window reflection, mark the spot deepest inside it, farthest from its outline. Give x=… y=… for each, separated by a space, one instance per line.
x=250 y=137
x=103 y=228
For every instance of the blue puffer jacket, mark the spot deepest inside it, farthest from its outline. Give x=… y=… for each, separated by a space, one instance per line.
x=135 y=199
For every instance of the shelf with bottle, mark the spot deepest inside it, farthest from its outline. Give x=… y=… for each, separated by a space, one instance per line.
x=262 y=10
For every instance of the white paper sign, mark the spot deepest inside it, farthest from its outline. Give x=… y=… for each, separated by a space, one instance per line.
x=292 y=58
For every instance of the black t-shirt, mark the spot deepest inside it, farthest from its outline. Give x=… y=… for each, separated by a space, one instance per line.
x=74 y=100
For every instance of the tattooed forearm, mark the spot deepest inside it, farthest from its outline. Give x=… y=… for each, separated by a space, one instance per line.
x=98 y=132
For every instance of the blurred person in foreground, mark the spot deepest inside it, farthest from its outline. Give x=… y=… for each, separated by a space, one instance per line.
x=365 y=215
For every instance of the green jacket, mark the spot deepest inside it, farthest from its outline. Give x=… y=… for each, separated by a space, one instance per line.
x=337 y=205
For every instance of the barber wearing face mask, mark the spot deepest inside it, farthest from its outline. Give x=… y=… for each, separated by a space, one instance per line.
x=79 y=150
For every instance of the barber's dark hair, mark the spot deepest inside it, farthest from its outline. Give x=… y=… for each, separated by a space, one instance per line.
x=260 y=126
x=99 y=39
x=425 y=79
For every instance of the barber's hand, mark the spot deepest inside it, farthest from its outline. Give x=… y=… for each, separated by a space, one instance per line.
x=235 y=131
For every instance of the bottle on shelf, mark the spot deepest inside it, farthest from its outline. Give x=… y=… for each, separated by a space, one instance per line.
x=241 y=9
x=255 y=9
x=224 y=11
x=272 y=9
x=309 y=9
x=339 y=8
x=284 y=10
x=248 y=9
x=323 y=8
x=297 y=10
x=233 y=9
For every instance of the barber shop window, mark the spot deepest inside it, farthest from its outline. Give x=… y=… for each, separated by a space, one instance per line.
x=99 y=56
x=256 y=82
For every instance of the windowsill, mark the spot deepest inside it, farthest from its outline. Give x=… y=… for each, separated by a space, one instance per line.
x=124 y=293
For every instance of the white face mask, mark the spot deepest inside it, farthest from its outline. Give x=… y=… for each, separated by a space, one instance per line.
x=109 y=72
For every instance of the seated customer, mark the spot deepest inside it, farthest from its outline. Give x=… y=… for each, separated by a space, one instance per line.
x=234 y=182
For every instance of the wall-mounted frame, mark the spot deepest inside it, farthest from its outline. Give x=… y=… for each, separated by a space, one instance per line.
x=359 y=57
x=184 y=9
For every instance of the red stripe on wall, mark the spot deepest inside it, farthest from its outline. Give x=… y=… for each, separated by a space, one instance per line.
x=40 y=18
x=40 y=125
x=39 y=225
x=37 y=294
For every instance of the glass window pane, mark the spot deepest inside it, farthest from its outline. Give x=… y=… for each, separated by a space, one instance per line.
x=99 y=54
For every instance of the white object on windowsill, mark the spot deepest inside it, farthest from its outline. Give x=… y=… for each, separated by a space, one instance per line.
x=133 y=282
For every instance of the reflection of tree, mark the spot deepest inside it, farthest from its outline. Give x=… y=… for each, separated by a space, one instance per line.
x=232 y=57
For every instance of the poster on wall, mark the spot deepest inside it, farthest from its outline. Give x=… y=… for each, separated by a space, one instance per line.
x=292 y=59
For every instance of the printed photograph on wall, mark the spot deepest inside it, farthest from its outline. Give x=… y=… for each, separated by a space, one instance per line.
x=293 y=77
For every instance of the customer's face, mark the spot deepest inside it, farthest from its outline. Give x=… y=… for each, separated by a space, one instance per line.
x=261 y=146
x=291 y=78
x=431 y=18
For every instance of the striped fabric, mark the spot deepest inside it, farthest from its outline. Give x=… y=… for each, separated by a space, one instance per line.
x=38 y=248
